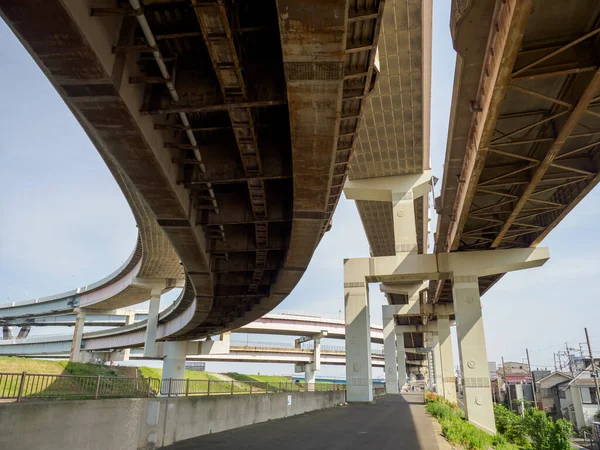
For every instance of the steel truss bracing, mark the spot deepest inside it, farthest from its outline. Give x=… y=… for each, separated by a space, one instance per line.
x=199 y=63
x=532 y=152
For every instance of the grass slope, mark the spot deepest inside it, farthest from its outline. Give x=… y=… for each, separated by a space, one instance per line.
x=198 y=384
x=460 y=432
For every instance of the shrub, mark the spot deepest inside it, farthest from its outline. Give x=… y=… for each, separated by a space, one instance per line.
x=456 y=430
x=560 y=438
x=431 y=397
x=535 y=431
x=440 y=411
x=539 y=428
x=545 y=434
x=511 y=425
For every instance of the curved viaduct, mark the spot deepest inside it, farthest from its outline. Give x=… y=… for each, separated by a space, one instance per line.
x=229 y=138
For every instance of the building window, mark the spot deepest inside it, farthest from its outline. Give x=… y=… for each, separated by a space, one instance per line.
x=589 y=396
x=562 y=394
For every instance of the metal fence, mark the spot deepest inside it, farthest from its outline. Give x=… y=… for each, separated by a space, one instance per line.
x=22 y=386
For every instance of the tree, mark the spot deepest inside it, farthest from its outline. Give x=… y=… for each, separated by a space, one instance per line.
x=539 y=427
x=511 y=426
x=545 y=434
x=560 y=438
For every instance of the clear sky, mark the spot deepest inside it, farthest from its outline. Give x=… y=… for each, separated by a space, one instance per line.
x=66 y=224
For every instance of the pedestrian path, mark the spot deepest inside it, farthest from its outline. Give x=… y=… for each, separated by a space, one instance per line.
x=393 y=422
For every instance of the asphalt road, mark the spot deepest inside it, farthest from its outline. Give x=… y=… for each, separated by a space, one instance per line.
x=393 y=422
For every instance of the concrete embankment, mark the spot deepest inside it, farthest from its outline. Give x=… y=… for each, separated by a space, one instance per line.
x=144 y=424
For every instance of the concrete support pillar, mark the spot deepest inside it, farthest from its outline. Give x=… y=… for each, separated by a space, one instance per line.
x=77 y=336
x=359 y=381
x=389 y=351
x=437 y=365
x=473 y=354
x=226 y=338
x=317 y=355
x=405 y=232
x=309 y=377
x=446 y=358
x=7 y=333
x=152 y=325
x=401 y=359
x=129 y=319
x=402 y=191
x=174 y=362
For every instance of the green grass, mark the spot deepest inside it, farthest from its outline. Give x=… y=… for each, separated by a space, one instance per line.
x=460 y=432
x=13 y=364
x=198 y=380
x=275 y=383
x=217 y=386
x=63 y=387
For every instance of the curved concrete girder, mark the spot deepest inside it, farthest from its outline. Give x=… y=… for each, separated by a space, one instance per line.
x=154 y=182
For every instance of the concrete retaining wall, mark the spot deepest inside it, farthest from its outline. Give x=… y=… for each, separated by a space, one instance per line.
x=144 y=424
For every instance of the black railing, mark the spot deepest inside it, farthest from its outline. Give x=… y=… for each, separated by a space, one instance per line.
x=21 y=386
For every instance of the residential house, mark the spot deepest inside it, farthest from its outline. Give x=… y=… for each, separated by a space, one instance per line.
x=552 y=398
x=582 y=397
x=514 y=383
x=574 y=399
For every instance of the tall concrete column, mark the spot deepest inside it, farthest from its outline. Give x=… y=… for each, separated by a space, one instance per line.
x=317 y=354
x=402 y=191
x=129 y=319
x=389 y=351
x=446 y=358
x=473 y=354
x=174 y=362
x=405 y=232
x=359 y=380
x=77 y=336
x=152 y=325
x=310 y=376
x=400 y=350
x=437 y=365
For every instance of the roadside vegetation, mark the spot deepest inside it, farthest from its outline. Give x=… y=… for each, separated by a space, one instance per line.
x=534 y=431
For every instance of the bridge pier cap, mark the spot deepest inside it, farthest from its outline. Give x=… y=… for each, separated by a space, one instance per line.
x=381 y=189
x=407 y=267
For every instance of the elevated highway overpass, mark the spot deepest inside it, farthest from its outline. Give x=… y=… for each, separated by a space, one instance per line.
x=229 y=138
x=521 y=153
x=244 y=220
x=214 y=157
x=253 y=352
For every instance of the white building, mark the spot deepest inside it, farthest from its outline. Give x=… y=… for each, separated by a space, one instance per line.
x=574 y=399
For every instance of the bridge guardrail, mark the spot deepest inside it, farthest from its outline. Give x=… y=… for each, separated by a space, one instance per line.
x=24 y=386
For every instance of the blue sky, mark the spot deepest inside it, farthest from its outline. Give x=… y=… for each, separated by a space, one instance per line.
x=66 y=224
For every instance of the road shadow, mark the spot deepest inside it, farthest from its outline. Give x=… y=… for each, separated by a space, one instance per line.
x=393 y=422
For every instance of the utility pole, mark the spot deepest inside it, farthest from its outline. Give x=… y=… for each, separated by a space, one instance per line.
x=555 y=369
x=594 y=373
x=559 y=361
x=532 y=380
x=569 y=356
x=506 y=383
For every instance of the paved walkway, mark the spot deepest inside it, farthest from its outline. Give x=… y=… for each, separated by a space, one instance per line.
x=398 y=421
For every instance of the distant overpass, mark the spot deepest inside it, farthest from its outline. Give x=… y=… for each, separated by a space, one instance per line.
x=253 y=352
x=276 y=324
